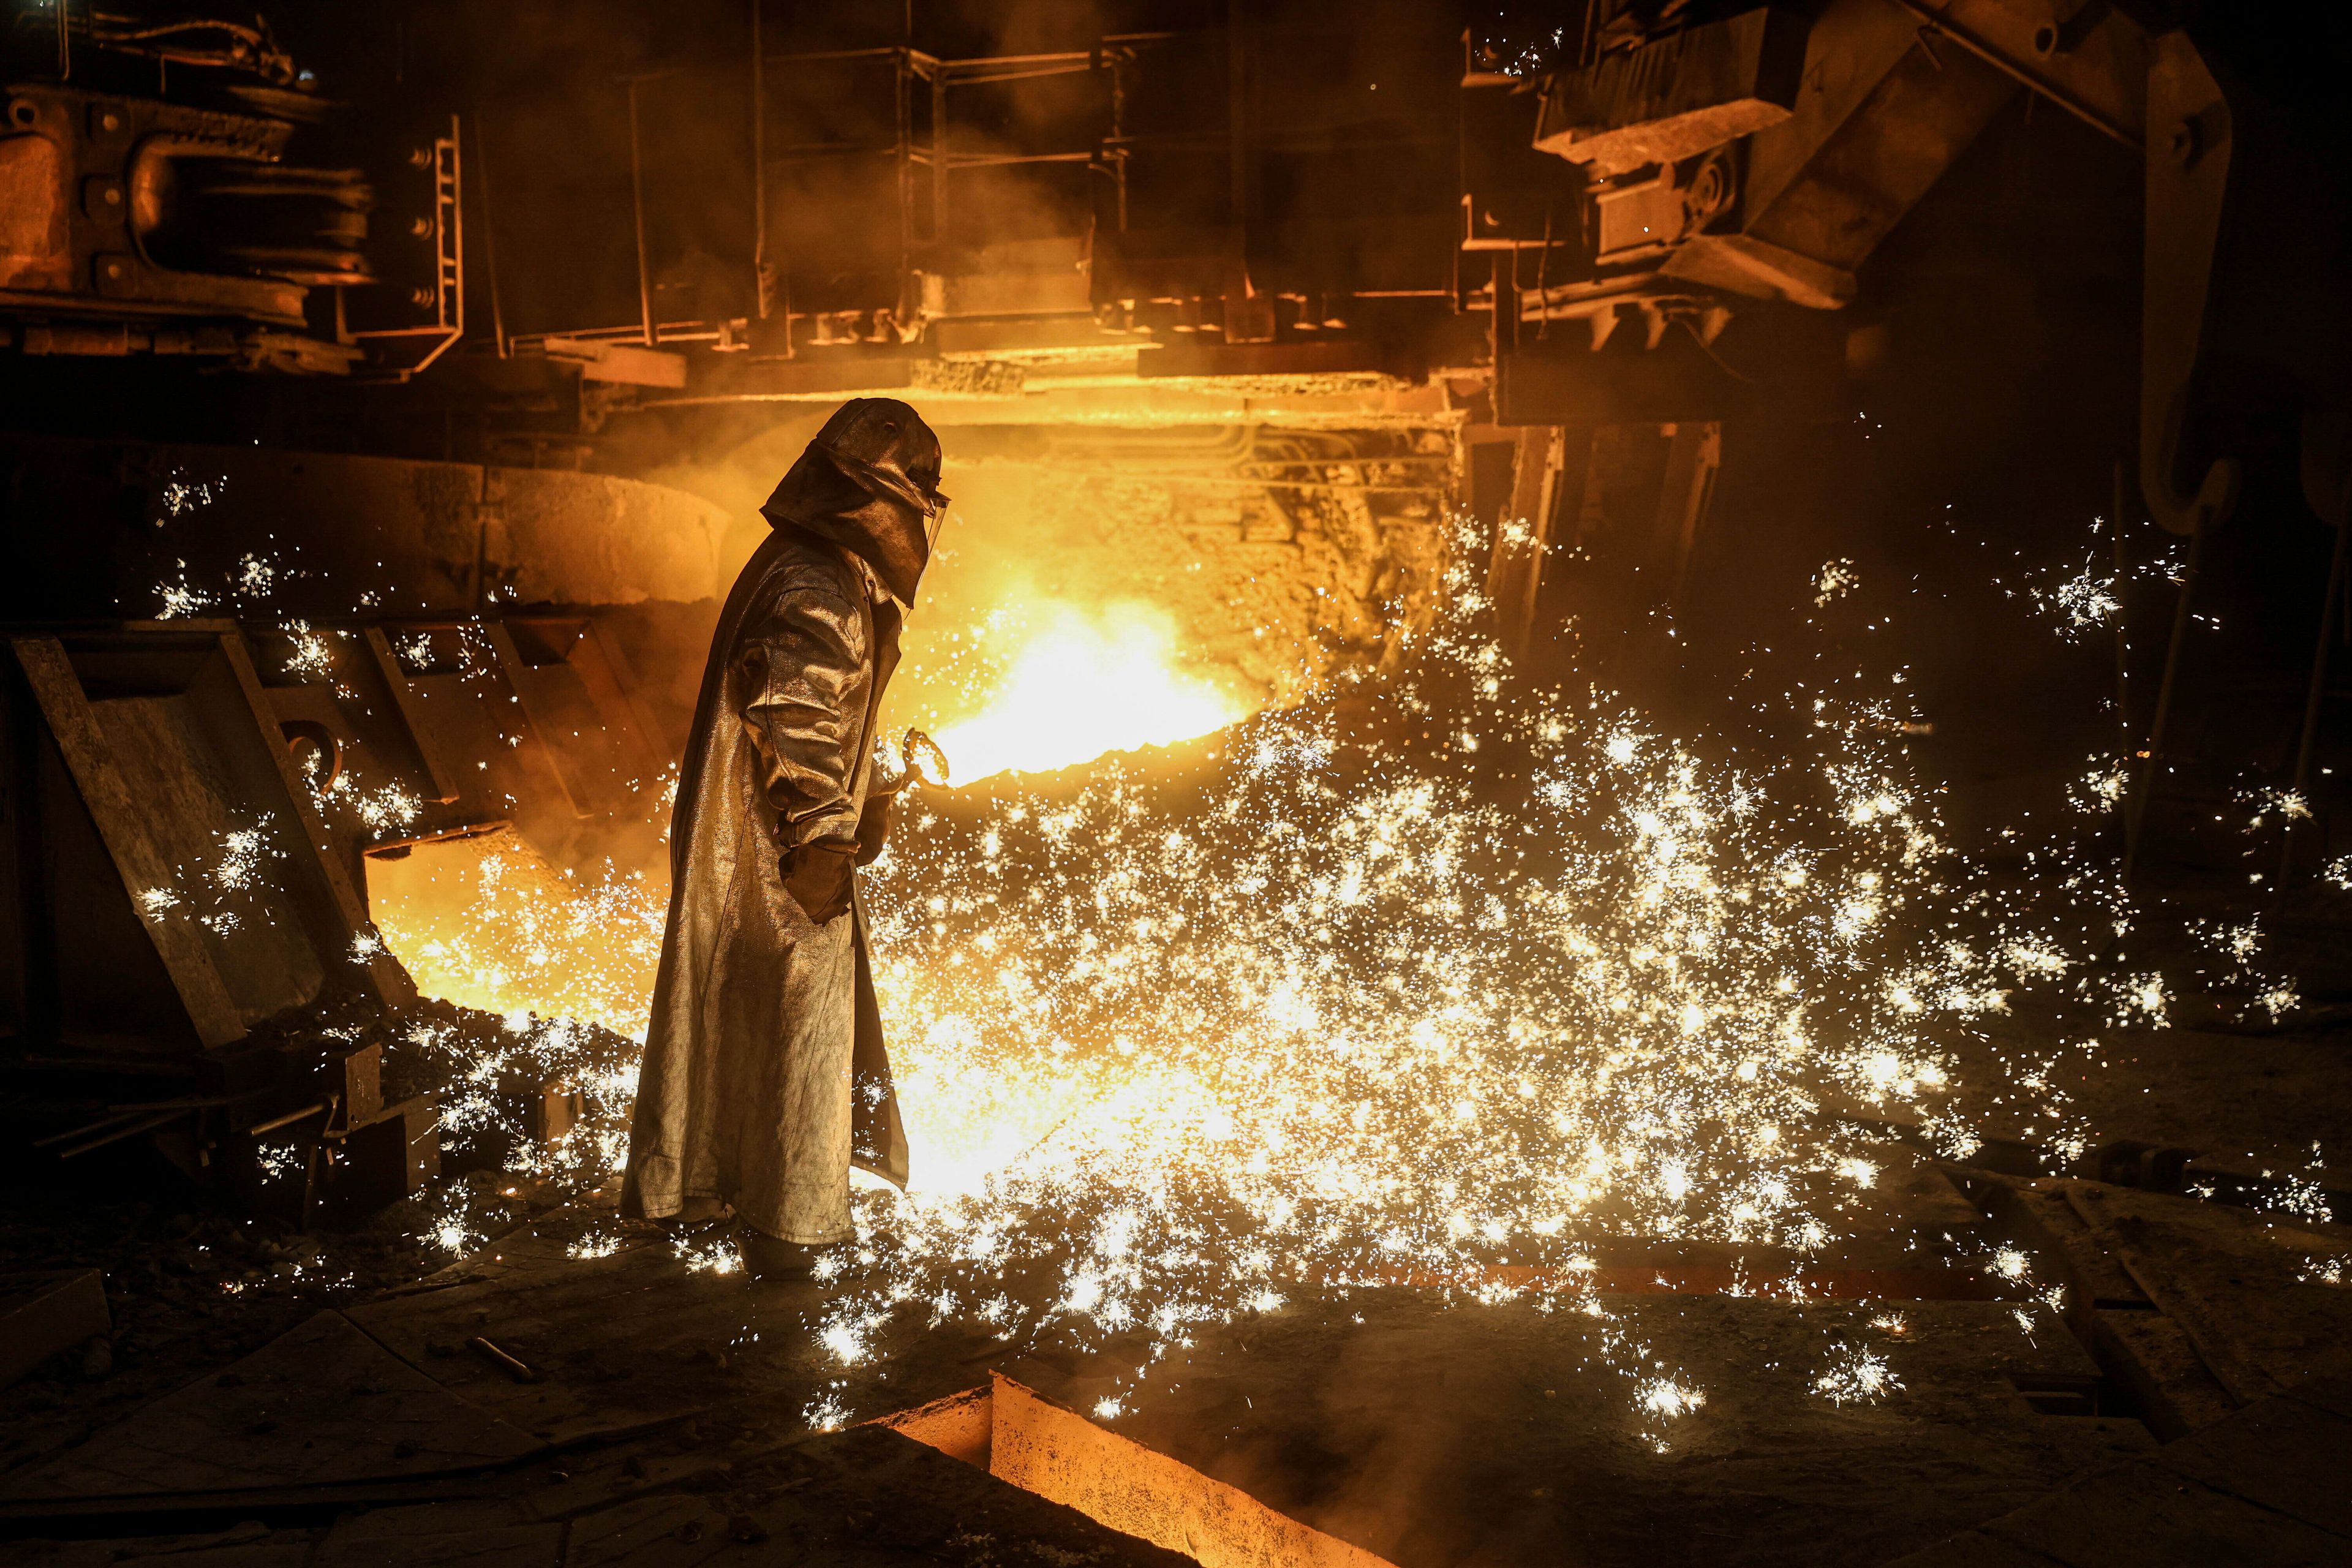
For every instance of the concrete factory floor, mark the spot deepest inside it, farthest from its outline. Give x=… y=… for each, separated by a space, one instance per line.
x=660 y=1419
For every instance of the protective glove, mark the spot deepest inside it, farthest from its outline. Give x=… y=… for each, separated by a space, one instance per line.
x=873 y=828
x=818 y=875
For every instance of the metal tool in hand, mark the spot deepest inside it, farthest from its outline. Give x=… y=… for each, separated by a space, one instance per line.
x=920 y=760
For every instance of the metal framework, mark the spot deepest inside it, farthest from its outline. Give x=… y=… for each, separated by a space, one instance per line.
x=915 y=70
x=904 y=271
x=448 y=324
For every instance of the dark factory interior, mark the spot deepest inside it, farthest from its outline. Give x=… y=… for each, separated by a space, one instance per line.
x=780 y=783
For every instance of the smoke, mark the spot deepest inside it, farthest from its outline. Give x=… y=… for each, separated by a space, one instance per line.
x=758 y=443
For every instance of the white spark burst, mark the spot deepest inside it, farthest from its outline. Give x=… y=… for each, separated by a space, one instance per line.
x=254 y=578
x=1835 y=580
x=177 y=598
x=243 y=852
x=1857 y=1376
x=1665 y=1397
x=310 y=656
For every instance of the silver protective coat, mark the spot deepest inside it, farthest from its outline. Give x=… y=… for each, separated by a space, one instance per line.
x=765 y=1075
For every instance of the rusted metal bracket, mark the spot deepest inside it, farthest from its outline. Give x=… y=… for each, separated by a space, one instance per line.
x=1939 y=20
x=126 y=827
x=412 y=717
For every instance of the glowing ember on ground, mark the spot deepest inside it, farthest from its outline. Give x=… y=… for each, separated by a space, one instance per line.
x=1083 y=684
x=1857 y=1376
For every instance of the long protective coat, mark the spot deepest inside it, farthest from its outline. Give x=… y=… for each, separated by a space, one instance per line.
x=765 y=1076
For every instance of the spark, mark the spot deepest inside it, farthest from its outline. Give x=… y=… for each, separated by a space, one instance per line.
x=489 y=923
x=384 y=809
x=177 y=597
x=310 y=658
x=1857 y=1376
x=243 y=852
x=2079 y=603
x=255 y=578
x=182 y=495
x=1665 y=1397
x=709 y=1255
x=1835 y=580
x=1165 y=1064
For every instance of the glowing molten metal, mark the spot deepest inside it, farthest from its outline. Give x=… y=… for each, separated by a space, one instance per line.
x=1084 y=684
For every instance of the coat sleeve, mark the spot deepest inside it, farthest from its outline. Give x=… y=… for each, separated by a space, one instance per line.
x=806 y=678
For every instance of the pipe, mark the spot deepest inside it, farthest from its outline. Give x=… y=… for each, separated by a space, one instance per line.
x=100 y=1125
x=287 y=1119
x=2000 y=62
x=940 y=156
x=2137 y=814
x=506 y=1360
x=903 y=102
x=759 y=170
x=118 y=1113
x=129 y=1130
x=490 y=235
x=637 y=210
x=2303 y=745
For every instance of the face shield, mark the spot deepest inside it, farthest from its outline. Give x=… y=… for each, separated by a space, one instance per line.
x=924 y=473
x=935 y=513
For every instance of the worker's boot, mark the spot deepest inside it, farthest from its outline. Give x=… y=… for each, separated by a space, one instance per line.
x=769 y=1258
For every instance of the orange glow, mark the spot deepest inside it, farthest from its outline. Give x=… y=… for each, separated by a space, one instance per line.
x=489 y=923
x=1082 y=683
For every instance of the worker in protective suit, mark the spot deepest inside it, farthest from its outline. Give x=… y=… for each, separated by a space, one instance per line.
x=764 y=1075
